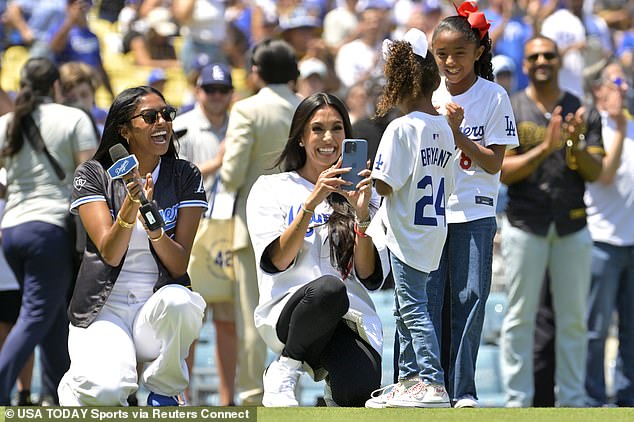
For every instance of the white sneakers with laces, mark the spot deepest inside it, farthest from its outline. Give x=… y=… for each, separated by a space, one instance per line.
x=280 y=381
x=421 y=394
x=379 y=398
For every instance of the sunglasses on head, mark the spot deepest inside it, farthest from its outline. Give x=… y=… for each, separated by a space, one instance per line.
x=213 y=89
x=549 y=55
x=151 y=116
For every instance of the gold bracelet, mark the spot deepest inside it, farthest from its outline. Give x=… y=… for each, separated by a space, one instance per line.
x=131 y=198
x=363 y=224
x=124 y=223
x=158 y=238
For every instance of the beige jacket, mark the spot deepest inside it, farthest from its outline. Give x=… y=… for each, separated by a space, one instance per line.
x=257 y=132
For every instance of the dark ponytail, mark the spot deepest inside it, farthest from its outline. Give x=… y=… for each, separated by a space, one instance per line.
x=36 y=83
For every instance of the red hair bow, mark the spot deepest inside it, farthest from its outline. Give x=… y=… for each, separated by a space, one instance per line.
x=477 y=20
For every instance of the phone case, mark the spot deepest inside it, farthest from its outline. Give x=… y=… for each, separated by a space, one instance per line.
x=355 y=155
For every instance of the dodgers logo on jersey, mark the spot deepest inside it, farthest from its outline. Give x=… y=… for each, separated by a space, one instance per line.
x=510 y=126
x=379 y=162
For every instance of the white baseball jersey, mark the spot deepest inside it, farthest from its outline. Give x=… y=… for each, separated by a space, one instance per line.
x=273 y=203
x=611 y=207
x=488 y=120
x=415 y=157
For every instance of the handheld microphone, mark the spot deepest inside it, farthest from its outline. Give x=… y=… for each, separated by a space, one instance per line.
x=122 y=168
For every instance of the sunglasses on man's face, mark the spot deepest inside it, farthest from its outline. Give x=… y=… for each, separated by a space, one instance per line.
x=548 y=56
x=213 y=89
x=151 y=116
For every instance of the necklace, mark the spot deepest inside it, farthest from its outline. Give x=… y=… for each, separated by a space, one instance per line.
x=540 y=106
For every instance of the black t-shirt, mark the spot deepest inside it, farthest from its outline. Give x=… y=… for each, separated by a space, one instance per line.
x=554 y=191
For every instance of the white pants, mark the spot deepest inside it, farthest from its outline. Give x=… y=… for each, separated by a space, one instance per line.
x=128 y=330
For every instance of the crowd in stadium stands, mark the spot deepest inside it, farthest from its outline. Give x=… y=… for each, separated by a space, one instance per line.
x=235 y=72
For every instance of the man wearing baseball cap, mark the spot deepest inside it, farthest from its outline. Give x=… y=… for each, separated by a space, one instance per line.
x=203 y=144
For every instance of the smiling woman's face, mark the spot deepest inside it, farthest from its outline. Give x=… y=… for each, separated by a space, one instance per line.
x=322 y=138
x=148 y=139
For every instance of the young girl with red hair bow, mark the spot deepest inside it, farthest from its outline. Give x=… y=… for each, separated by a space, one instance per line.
x=462 y=48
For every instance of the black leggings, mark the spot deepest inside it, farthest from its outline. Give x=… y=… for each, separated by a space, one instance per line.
x=311 y=328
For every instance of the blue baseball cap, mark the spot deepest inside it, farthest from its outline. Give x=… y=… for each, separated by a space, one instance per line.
x=156 y=75
x=215 y=74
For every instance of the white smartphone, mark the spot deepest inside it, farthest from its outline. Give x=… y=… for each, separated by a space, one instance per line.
x=355 y=155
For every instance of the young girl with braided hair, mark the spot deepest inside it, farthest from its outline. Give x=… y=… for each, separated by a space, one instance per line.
x=413 y=171
x=462 y=48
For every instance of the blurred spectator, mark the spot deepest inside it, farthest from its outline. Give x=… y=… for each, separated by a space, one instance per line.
x=150 y=40
x=110 y=9
x=359 y=60
x=299 y=29
x=424 y=15
x=157 y=79
x=312 y=76
x=73 y=41
x=34 y=239
x=504 y=72
x=203 y=29
x=203 y=144
x=340 y=25
x=257 y=132
x=358 y=102
x=546 y=227
x=10 y=296
x=79 y=83
x=32 y=21
x=610 y=213
x=583 y=40
x=264 y=20
x=509 y=32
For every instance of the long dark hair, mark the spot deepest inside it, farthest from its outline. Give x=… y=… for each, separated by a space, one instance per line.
x=293 y=157
x=120 y=112
x=483 y=66
x=37 y=78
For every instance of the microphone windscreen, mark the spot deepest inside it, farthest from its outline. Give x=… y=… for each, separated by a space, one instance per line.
x=117 y=152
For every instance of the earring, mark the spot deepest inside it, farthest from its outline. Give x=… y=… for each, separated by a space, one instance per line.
x=301 y=144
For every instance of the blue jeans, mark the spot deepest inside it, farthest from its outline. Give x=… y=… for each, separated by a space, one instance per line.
x=466 y=264
x=419 y=351
x=612 y=288
x=40 y=256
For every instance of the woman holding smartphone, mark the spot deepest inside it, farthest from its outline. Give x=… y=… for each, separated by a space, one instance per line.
x=316 y=263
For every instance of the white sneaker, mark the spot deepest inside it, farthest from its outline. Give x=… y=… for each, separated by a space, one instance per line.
x=422 y=395
x=379 y=398
x=280 y=380
x=466 y=401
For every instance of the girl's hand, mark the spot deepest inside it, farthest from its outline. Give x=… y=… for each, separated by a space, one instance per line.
x=455 y=115
x=328 y=181
x=360 y=197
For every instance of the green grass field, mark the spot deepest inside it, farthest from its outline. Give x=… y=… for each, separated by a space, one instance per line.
x=322 y=414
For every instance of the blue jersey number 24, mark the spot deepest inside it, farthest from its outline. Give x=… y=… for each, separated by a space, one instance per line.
x=428 y=200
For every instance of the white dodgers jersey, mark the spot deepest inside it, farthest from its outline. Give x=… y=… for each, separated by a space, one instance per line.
x=415 y=157
x=488 y=120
